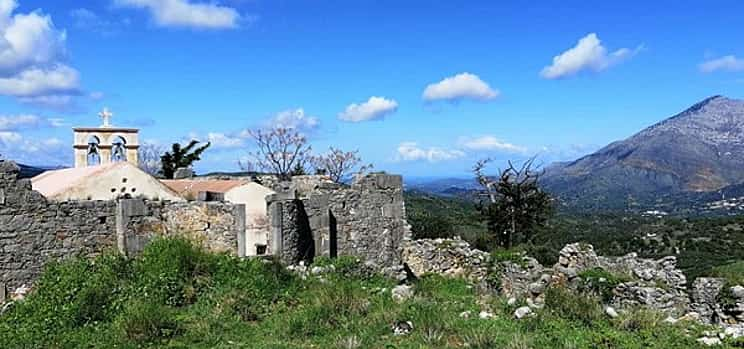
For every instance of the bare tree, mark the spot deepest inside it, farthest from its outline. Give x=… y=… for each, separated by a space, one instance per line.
x=280 y=151
x=516 y=204
x=148 y=157
x=338 y=164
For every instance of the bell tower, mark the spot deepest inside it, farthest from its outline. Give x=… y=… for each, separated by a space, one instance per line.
x=105 y=144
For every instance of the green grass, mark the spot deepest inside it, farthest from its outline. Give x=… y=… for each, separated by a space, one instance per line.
x=177 y=296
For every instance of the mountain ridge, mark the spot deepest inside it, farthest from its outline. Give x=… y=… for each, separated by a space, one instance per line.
x=700 y=149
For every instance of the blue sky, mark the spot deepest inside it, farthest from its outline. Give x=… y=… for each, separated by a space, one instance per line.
x=422 y=88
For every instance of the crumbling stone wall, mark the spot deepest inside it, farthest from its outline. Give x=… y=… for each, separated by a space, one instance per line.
x=366 y=219
x=218 y=226
x=449 y=257
x=34 y=231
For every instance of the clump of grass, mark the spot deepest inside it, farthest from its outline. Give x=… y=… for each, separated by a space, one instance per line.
x=562 y=303
x=601 y=283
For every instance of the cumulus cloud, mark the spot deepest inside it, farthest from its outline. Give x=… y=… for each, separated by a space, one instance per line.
x=295 y=119
x=459 y=87
x=490 y=143
x=185 y=13
x=410 y=151
x=221 y=140
x=587 y=55
x=374 y=108
x=26 y=122
x=36 y=151
x=728 y=63
x=59 y=80
x=32 y=54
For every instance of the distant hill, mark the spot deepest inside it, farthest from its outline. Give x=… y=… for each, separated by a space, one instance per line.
x=698 y=150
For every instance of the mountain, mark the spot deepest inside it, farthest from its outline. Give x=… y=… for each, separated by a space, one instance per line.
x=698 y=150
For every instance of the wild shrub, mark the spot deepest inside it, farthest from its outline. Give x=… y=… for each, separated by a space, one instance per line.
x=599 y=282
x=172 y=271
x=146 y=321
x=562 y=303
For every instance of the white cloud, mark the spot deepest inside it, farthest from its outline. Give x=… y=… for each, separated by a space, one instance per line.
x=35 y=151
x=459 y=87
x=295 y=119
x=36 y=82
x=26 y=122
x=7 y=137
x=410 y=151
x=726 y=63
x=221 y=140
x=184 y=13
x=588 y=54
x=373 y=109
x=490 y=143
x=32 y=52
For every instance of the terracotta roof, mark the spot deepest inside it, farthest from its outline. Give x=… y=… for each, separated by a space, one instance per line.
x=52 y=182
x=194 y=187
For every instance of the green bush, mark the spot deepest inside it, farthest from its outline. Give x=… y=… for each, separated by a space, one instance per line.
x=599 y=282
x=146 y=321
x=732 y=272
x=562 y=303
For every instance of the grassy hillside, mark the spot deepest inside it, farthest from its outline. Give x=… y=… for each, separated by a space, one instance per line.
x=177 y=296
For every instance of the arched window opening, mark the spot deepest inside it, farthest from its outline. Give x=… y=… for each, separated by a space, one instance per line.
x=118 y=149
x=94 y=155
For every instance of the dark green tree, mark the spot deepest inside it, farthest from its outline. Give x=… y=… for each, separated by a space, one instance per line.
x=180 y=157
x=513 y=205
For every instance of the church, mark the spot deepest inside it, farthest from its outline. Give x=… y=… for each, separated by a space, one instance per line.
x=105 y=168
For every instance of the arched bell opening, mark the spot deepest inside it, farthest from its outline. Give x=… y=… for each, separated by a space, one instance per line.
x=93 y=156
x=118 y=149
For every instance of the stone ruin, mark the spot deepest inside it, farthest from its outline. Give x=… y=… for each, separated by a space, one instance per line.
x=650 y=283
x=314 y=217
x=34 y=230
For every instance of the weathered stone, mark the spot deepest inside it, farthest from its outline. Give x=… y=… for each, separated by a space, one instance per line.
x=449 y=257
x=485 y=315
x=401 y=293
x=402 y=328
x=710 y=341
x=522 y=312
x=611 y=312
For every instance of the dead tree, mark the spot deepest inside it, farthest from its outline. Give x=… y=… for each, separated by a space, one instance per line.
x=514 y=204
x=338 y=164
x=280 y=151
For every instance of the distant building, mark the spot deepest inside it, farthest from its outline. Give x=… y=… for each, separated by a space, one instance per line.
x=103 y=182
x=251 y=194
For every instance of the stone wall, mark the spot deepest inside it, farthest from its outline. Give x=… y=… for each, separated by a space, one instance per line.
x=34 y=230
x=218 y=226
x=366 y=219
x=449 y=257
